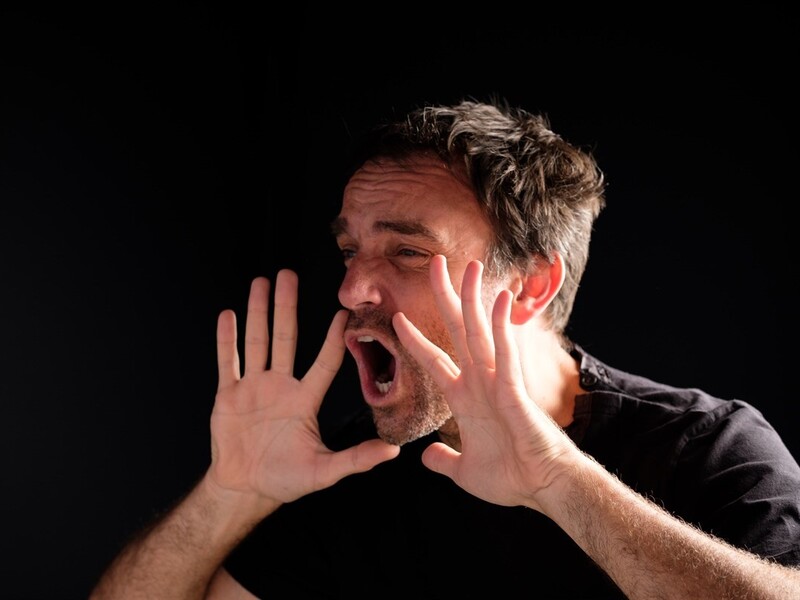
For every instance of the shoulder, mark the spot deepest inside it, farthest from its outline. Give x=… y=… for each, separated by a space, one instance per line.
x=629 y=400
x=636 y=425
x=717 y=463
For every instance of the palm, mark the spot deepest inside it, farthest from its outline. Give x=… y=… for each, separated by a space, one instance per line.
x=263 y=445
x=264 y=429
x=507 y=442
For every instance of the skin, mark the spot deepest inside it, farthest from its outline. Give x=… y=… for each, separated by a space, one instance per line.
x=505 y=389
x=513 y=453
x=388 y=232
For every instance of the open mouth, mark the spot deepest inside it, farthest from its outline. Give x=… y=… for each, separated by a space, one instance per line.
x=376 y=363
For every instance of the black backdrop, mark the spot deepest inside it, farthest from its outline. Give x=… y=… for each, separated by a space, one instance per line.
x=154 y=159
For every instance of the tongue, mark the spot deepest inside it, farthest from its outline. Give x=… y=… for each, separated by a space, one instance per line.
x=387 y=375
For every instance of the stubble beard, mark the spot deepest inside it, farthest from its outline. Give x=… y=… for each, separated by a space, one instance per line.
x=423 y=410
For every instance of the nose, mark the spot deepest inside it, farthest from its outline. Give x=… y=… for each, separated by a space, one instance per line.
x=361 y=284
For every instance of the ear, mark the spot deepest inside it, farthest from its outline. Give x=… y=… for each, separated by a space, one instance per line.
x=535 y=290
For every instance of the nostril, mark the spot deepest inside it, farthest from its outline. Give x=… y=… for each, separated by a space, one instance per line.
x=358 y=289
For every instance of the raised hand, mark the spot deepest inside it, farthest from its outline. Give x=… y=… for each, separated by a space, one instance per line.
x=510 y=448
x=264 y=429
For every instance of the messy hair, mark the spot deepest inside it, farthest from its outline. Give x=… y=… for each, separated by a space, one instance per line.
x=540 y=193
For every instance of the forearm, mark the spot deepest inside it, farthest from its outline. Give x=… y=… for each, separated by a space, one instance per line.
x=651 y=554
x=178 y=555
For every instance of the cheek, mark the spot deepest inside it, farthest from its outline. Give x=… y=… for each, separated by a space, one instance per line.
x=410 y=292
x=430 y=322
x=441 y=337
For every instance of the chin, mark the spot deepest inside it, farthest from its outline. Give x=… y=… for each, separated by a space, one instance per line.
x=397 y=427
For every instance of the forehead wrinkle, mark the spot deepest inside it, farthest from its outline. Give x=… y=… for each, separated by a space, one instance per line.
x=406 y=227
x=401 y=226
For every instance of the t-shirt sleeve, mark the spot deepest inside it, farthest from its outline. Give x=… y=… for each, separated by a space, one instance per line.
x=741 y=483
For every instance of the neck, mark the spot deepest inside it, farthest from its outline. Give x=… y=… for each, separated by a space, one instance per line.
x=448 y=433
x=552 y=376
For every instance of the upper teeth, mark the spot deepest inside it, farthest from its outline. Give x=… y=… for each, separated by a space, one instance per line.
x=366 y=338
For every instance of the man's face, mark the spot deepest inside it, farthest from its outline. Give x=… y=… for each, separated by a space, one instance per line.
x=394 y=218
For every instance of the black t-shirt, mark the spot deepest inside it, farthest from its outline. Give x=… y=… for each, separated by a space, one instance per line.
x=401 y=530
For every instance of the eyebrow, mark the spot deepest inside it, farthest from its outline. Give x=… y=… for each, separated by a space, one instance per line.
x=404 y=227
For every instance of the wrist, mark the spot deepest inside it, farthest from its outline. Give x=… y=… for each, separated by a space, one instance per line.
x=576 y=472
x=234 y=508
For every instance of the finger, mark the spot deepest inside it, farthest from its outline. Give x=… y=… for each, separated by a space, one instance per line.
x=479 y=340
x=358 y=459
x=256 y=333
x=320 y=375
x=227 y=355
x=449 y=306
x=284 y=327
x=435 y=360
x=508 y=370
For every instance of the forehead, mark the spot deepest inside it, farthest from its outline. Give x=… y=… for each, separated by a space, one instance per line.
x=422 y=189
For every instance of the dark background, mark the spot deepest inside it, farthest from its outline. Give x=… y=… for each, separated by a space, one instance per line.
x=153 y=160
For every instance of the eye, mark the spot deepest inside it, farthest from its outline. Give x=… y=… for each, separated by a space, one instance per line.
x=347 y=253
x=410 y=252
x=411 y=258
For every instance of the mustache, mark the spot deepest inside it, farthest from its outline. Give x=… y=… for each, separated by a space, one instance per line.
x=372 y=319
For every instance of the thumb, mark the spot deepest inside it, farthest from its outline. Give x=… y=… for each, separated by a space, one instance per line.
x=357 y=459
x=440 y=458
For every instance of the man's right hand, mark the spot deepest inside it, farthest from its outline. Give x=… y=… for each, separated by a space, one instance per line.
x=265 y=450
x=265 y=436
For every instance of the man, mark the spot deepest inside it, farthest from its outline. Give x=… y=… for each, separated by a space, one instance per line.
x=497 y=454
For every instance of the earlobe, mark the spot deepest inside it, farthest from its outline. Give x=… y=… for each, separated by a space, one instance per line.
x=537 y=289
